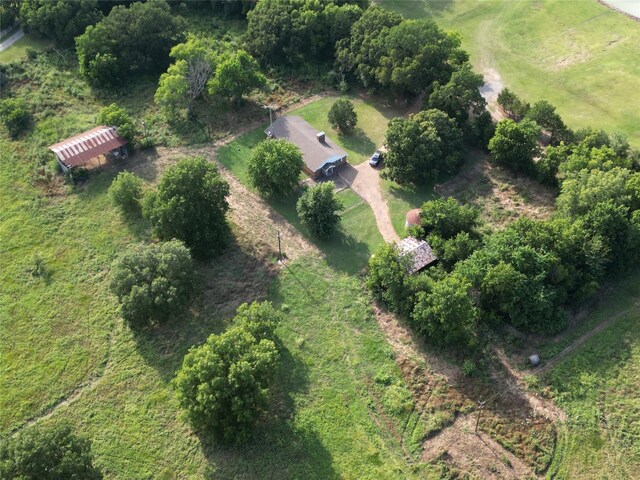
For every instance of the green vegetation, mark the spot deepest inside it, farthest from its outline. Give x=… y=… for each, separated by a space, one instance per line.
x=21 y=48
x=568 y=53
x=597 y=388
x=14 y=115
x=274 y=167
x=317 y=208
x=236 y=75
x=342 y=116
x=126 y=193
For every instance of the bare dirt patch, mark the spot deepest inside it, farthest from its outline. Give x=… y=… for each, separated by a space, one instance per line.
x=500 y=195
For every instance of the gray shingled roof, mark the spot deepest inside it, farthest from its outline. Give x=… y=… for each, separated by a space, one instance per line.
x=298 y=131
x=420 y=252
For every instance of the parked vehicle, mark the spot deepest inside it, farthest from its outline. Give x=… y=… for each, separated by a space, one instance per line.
x=375 y=159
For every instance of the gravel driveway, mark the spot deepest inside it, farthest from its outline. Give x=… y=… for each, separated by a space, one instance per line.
x=365 y=181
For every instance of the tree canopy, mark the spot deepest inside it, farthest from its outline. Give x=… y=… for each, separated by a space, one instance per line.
x=128 y=41
x=545 y=115
x=61 y=20
x=422 y=147
x=116 y=116
x=236 y=74
x=514 y=145
x=50 y=453
x=460 y=95
x=15 y=115
x=343 y=116
x=126 y=193
x=274 y=167
x=224 y=384
x=317 y=208
x=191 y=205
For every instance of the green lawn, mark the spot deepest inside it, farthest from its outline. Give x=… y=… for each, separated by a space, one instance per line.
x=598 y=389
x=579 y=55
x=401 y=199
x=19 y=49
x=373 y=118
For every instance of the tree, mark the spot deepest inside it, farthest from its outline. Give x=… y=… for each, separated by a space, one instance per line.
x=455 y=249
x=191 y=205
x=125 y=192
x=274 y=167
x=236 y=74
x=343 y=116
x=186 y=78
x=387 y=277
x=128 y=41
x=446 y=314
x=116 y=116
x=47 y=454
x=446 y=218
x=61 y=20
x=153 y=282
x=512 y=105
x=515 y=145
x=460 y=95
x=14 y=115
x=224 y=384
x=423 y=147
x=544 y=114
x=317 y=209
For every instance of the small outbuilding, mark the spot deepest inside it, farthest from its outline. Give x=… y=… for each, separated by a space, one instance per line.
x=321 y=156
x=412 y=219
x=79 y=150
x=419 y=251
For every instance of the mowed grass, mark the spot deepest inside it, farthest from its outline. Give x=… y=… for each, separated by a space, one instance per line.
x=598 y=389
x=19 y=49
x=579 y=55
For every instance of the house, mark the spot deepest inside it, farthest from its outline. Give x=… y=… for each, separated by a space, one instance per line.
x=321 y=156
x=78 y=150
x=418 y=251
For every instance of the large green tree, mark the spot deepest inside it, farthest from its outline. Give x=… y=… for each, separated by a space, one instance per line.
x=224 y=384
x=514 y=145
x=236 y=74
x=460 y=96
x=387 y=277
x=317 y=209
x=423 y=147
x=342 y=115
x=274 y=167
x=61 y=20
x=129 y=41
x=545 y=115
x=446 y=218
x=50 y=453
x=153 y=282
x=191 y=205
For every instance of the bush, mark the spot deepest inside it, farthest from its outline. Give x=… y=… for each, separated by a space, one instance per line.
x=14 y=115
x=125 y=192
x=153 y=282
x=116 y=116
x=224 y=384
x=47 y=454
x=191 y=205
x=387 y=276
x=343 y=116
x=274 y=167
x=317 y=209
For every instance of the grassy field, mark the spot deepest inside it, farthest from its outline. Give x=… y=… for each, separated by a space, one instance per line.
x=579 y=55
x=598 y=388
x=19 y=49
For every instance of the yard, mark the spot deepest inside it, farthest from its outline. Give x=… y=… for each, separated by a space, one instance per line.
x=580 y=56
x=20 y=48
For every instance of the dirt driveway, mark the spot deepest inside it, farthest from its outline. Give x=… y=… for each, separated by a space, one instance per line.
x=365 y=181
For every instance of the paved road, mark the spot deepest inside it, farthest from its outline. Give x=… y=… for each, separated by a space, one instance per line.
x=365 y=181
x=11 y=40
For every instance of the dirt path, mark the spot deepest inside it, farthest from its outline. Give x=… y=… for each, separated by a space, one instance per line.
x=582 y=339
x=11 y=40
x=365 y=181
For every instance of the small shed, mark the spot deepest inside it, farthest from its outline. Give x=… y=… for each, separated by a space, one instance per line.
x=419 y=251
x=412 y=219
x=78 y=150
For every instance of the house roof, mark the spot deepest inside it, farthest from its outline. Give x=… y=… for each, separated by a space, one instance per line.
x=316 y=154
x=419 y=250
x=77 y=150
x=413 y=217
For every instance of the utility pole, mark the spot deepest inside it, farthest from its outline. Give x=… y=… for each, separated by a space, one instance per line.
x=279 y=245
x=480 y=408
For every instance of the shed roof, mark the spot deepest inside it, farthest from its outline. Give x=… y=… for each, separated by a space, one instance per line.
x=77 y=150
x=316 y=154
x=420 y=252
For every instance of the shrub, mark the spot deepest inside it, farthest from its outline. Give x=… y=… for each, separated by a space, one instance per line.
x=116 y=116
x=469 y=368
x=153 y=281
x=14 y=115
x=317 y=209
x=343 y=116
x=47 y=454
x=274 y=167
x=224 y=384
x=387 y=275
x=125 y=192
x=191 y=205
